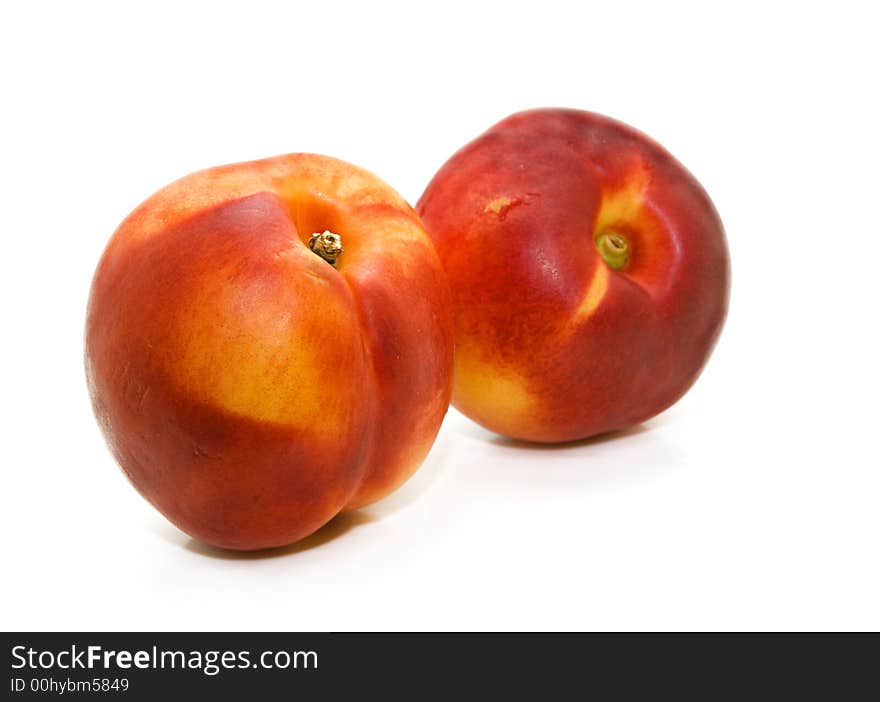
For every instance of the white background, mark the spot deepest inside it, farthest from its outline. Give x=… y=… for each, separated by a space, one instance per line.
x=753 y=503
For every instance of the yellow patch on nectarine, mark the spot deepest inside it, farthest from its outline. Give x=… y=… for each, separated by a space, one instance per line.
x=498 y=204
x=623 y=205
x=264 y=357
x=595 y=292
x=485 y=389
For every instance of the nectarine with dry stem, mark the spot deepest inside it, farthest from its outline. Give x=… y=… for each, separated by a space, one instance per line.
x=267 y=344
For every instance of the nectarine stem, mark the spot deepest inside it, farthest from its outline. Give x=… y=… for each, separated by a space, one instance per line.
x=327 y=245
x=614 y=249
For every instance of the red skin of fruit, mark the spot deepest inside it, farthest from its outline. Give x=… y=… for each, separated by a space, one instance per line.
x=552 y=343
x=248 y=389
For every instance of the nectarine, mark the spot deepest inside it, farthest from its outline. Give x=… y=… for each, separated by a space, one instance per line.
x=267 y=344
x=589 y=274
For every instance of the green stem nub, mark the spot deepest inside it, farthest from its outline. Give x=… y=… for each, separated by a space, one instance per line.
x=614 y=249
x=327 y=245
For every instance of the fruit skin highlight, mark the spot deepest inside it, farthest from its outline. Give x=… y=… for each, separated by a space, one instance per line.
x=589 y=274
x=249 y=389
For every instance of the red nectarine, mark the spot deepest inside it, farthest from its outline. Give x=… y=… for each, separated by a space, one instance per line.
x=589 y=274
